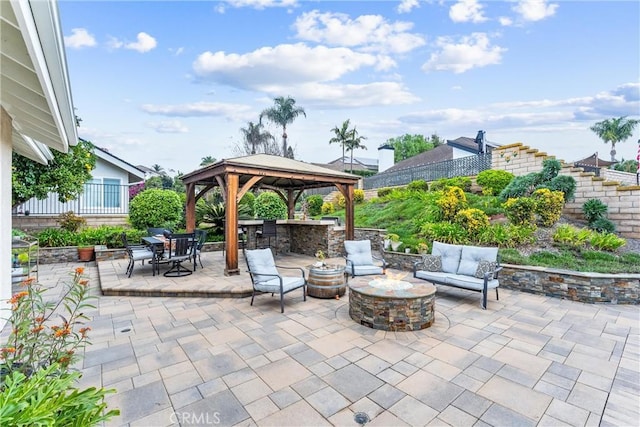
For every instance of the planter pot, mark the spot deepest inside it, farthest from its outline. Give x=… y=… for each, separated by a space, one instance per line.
x=395 y=246
x=387 y=244
x=407 y=250
x=86 y=253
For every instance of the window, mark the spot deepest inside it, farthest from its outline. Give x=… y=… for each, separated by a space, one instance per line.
x=103 y=193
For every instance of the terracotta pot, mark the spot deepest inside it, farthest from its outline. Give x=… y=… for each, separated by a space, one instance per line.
x=85 y=253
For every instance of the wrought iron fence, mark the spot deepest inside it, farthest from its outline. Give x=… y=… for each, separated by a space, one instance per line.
x=464 y=166
x=111 y=199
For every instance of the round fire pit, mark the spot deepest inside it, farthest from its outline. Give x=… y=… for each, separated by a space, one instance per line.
x=392 y=304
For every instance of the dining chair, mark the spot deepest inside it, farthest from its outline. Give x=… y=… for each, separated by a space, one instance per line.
x=201 y=238
x=269 y=229
x=181 y=249
x=136 y=253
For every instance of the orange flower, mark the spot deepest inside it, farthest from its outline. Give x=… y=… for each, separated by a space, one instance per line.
x=62 y=332
x=28 y=281
x=39 y=319
x=37 y=329
x=80 y=270
x=83 y=282
x=7 y=350
x=17 y=297
x=55 y=327
x=83 y=331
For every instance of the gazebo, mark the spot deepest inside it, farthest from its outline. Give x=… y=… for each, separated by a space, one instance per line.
x=286 y=177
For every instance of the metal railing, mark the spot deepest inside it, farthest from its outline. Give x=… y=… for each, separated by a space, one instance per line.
x=97 y=199
x=464 y=166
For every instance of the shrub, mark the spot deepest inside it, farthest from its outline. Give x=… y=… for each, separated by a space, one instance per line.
x=339 y=201
x=156 y=208
x=451 y=201
x=213 y=217
x=548 y=206
x=504 y=235
x=327 y=208
x=569 y=235
x=384 y=191
x=472 y=220
x=56 y=237
x=463 y=182
x=550 y=169
x=445 y=232
x=314 y=203
x=564 y=183
x=493 y=181
x=594 y=209
x=603 y=225
x=71 y=222
x=358 y=195
x=269 y=205
x=418 y=185
x=519 y=186
x=521 y=211
x=606 y=241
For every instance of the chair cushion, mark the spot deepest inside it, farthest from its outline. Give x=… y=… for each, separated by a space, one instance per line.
x=261 y=261
x=359 y=252
x=470 y=282
x=472 y=255
x=432 y=262
x=450 y=255
x=485 y=267
x=140 y=254
x=434 y=276
x=363 y=270
x=273 y=285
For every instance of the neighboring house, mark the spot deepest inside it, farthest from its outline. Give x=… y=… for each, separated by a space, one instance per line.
x=106 y=193
x=453 y=149
x=359 y=164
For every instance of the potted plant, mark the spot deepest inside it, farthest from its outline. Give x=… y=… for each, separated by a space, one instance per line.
x=320 y=256
x=394 y=241
x=86 y=248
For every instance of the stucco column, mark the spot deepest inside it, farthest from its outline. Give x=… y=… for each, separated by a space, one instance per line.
x=6 y=149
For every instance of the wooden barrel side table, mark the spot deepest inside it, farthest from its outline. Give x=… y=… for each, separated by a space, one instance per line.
x=326 y=282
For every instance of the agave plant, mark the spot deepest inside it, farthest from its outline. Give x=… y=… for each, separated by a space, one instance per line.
x=213 y=217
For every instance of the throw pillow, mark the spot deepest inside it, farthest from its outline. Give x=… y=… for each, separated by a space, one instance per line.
x=485 y=267
x=432 y=262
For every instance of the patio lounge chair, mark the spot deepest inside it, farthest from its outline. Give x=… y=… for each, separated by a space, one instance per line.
x=136 y=253
x=360 y=260
x=266 y=278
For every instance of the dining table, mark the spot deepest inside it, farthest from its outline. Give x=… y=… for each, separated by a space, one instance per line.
x=156 y=244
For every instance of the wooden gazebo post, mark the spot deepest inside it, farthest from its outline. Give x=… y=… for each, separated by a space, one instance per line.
x=231 y=225
x=191 y=207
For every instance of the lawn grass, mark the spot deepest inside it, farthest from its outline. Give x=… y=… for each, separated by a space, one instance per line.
x=584 y=261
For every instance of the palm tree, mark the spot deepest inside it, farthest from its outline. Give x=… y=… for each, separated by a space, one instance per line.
x=255 y=137
x=354 y=142
x=207 y=160
x=342 y=137
x=615 y=130
x=284 y=112
x=158 y=169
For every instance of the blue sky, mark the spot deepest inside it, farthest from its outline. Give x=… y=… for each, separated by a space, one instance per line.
x=160 y=82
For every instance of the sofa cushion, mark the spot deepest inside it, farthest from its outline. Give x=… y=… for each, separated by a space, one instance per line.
x=273 y=285
x=364 y=270
x=432 y=276
x=470 y=282
x=472 y=255
x=485 y=267
x=431 y=262
x=358 y=252
x=450 y=255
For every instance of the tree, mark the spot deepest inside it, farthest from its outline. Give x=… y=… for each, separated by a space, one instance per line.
x=354 y=142
x=341 y=137
x=615 y=130
x=284 y=112
x=626 y=166
x=406 y=146
x=207 y=160
x=255 y=140
x=66 y=174
x=158 y=169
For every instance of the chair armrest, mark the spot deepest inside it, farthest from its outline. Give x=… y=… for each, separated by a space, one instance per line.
x=294 y=268
x=415 y=267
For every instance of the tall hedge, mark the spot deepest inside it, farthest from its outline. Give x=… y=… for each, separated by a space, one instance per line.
x=269 y=205
x=156 y=208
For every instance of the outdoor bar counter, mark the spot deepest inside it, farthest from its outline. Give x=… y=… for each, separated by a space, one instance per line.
x=304 y=237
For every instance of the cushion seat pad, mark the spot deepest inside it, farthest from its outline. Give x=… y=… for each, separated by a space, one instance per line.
x=273 y=285
x=467 y=282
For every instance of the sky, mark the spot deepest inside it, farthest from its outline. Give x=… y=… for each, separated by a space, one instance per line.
x=168 y=83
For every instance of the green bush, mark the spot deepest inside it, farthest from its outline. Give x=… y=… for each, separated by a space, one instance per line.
x=463 y=182
x=418 y=185
x=384 y=191
x=550 y=169
x=246 y=206
x=213 y=217
x=504 y=235
x=564 y=183
x=493 y=181
x=314 y=203
x=269 y=205
x=327 y=208
x=358 y=195
x=594 y=209
x=571 y=236
x=452 y=200
x=606 y=241
x=521 y=211
x=70 y=221
x=472 y=220
x=548 y=206
x=548 y=177
x=156 y=208
x=603 y=225
x=445 y=232
x=56 y=237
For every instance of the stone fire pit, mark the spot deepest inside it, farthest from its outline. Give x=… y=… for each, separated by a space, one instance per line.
x=392 y=304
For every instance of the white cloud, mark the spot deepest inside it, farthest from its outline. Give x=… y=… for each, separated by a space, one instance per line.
x=467 y=11
x=366 y=32
x=407 y=6
x=144 y=43
x=79 y=38
x=255 y=4
x=199 y=109
x=177 y=51
x=280 y=65
x=535 y=10
x=169 y=126
x=459 y=56
x=505 y=21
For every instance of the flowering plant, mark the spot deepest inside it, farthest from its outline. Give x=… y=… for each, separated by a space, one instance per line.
x=44 y=332
x=320 y=255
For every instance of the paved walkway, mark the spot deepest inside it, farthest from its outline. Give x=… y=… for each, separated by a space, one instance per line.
x=527 y=360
